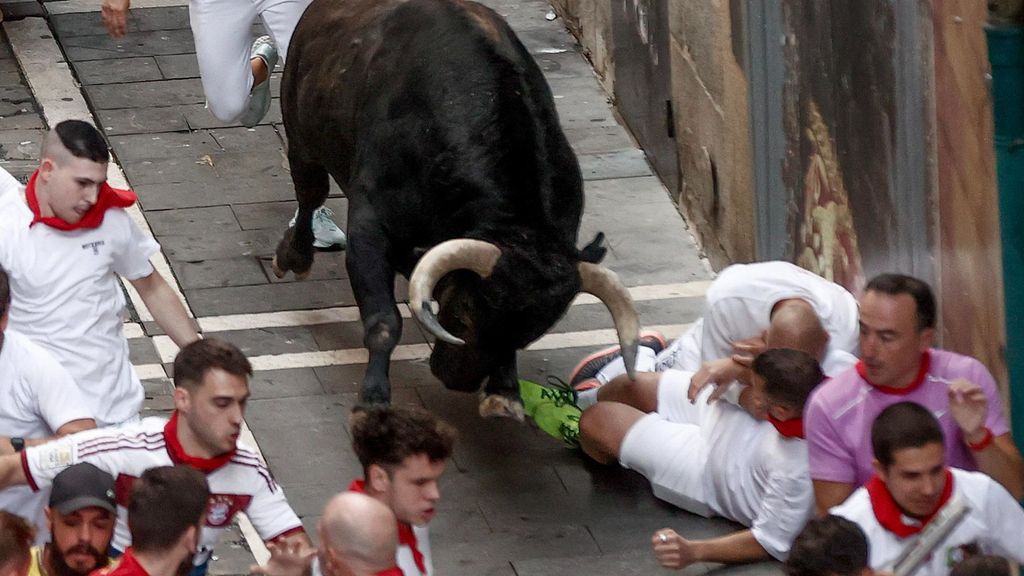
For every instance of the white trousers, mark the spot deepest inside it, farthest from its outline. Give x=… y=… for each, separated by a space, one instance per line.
x=223 y=35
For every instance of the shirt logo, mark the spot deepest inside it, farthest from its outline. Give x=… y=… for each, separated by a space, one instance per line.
x=94 y=245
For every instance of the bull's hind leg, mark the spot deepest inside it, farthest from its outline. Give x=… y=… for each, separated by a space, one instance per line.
x=373 y=283
x=295 y=250
x=501 y=394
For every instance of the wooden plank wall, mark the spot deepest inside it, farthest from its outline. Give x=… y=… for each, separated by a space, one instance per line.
x=968 y=249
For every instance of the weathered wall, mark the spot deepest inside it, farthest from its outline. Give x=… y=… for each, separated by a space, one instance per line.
x=968 y=248
x=591 y=22
x=710 y=96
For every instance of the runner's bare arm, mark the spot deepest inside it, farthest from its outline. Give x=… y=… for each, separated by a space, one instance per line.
x=828 y=494
x=167 y=310
x=69 y=428
x=115 y=17
x=11 y=472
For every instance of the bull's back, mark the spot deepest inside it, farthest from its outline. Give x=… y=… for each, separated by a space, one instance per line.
x=414 y=91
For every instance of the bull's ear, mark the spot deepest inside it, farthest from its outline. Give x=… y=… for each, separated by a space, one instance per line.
x=594 y=252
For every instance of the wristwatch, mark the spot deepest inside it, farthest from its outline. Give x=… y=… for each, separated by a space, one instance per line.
x=17 y=443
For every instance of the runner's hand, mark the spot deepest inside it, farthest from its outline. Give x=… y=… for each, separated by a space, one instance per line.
x=968 y=405
x=719 y=373
x=744 y=351
x=287 y=558
x=672 y=550
x=115 y=17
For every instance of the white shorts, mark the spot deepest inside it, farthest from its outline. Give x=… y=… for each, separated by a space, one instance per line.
x=669 y=448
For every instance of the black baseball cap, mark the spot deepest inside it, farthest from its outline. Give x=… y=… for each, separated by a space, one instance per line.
x=82 y=486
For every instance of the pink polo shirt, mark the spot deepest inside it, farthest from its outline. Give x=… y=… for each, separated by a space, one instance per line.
x=840 y=411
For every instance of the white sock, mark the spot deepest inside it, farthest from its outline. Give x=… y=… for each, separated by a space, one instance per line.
x=587 y=398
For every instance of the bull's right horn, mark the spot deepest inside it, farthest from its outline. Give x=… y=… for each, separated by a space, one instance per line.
x=450 y=255
x=605 y=285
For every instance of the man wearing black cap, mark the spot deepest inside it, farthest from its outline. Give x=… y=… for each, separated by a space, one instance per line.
x=81 y=518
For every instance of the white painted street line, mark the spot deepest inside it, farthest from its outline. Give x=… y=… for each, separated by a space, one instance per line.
x=133 y=330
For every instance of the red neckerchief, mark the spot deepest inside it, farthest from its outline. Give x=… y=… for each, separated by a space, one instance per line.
x=178 y=455
x=792 y=428
x=405 y=534
x=926 y=360
x=108 y=197
x=888 y=512
x=127 y=565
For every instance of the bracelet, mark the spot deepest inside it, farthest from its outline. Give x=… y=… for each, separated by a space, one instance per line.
x=983 y=443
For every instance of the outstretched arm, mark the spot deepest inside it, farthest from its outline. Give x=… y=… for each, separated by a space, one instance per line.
x=70 y=428
x=166 y=308
x=11 y=472
x=674 y=551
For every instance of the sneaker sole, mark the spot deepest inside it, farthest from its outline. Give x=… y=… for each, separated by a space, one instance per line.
x=607 y=354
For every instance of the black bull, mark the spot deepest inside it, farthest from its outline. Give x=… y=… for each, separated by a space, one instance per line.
x=439 y=126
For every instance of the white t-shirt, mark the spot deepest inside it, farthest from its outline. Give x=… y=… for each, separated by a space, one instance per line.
x=66 y=298
x=993 y=524
x=757 y=477
x=739 y=304
x=243 y=484
x=37 y=396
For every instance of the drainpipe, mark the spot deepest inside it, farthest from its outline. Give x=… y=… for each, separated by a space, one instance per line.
x=1006 y=54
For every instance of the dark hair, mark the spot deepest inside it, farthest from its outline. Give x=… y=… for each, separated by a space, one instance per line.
x=165 y=502
x=16 y=536
x=192 y=362
x=83 y=140
x=896 y=284
x=789 y=375
x=903 y=425
x=828 y=545
x=984 y=565
x=387 y=435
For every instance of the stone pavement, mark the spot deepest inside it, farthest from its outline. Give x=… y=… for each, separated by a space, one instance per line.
x=217 y=197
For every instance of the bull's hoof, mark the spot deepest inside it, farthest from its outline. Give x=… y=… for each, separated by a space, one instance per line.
x=497 y=406
x=277 y=269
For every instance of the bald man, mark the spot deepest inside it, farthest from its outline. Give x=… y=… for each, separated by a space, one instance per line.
x=748 y=308
x=64 y=240
x=358 y=537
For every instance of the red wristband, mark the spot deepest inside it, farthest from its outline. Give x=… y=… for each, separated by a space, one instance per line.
x=984 y=442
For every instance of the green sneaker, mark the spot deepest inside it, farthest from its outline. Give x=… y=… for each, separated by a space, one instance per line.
x=259 y=101
x=553 y=409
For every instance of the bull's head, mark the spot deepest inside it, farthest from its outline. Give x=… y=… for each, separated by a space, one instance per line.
x=493 y=303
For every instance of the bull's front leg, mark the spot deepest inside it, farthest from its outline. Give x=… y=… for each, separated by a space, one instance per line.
x=295 y=250
x=373 y=283
x=501 y=394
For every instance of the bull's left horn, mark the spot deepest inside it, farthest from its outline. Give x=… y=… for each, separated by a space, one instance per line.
x=450 y=255
x=605 y=284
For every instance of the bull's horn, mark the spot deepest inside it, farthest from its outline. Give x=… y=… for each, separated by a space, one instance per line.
x=605 y=284
x=450 y=255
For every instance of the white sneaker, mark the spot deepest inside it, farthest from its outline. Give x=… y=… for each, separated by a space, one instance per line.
x=259 y=101
x=326 y=233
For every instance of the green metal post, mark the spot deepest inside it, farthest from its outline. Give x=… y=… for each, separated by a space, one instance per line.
x=1006 y=53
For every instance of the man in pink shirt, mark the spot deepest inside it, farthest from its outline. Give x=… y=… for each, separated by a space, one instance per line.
x=897 y=324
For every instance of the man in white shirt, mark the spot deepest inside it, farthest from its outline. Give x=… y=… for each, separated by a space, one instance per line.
x=911 y=489
x=64 y=239
x=40 y=401
x=717 y=460
x=747 y=308
x=211 y=379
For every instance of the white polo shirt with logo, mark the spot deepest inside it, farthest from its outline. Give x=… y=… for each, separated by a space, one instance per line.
x=66 y=297
x=241 y=484
x=37 y=397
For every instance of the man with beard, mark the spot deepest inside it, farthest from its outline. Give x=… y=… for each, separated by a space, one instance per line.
x=81 y=518
x=165 y=517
